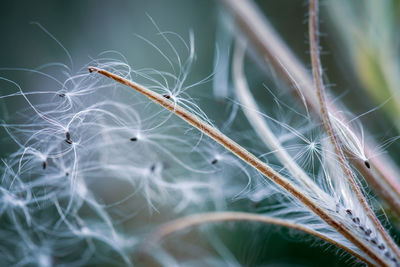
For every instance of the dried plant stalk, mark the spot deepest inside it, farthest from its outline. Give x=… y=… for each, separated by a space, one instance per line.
x=251 y=160
x=320 y=89
x=257 y=121
x=384 y=174
x=231 y=216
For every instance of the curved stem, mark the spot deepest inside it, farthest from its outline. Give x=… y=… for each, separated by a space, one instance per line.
x=250 y=109
x=320 y=89
x=228 y=216
x=251 y=160
x=273 y=51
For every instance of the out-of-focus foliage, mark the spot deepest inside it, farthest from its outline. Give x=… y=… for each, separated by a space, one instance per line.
x=368 y=32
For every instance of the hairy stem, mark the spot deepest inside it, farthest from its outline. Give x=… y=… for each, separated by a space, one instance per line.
x=250 y=109
x=272 y=50
x=320 y=89
x=230 y=216
x=249 y=159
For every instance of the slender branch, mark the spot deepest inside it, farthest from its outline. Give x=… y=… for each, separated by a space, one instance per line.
x=215 y=217
x=320 y=89
x=251 y=160
x=250 y=109
x=272 y=50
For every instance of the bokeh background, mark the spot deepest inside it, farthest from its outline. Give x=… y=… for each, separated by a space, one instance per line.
x=87 y=28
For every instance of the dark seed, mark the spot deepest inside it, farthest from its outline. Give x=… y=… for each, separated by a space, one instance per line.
x=356 y=220
x=381 y=246
x=153 y=167
x=214 y=161
x=368 y=232
x=67 y=174
x=348 y=211
x=367 y=164
x=167 y=96
x=387 y=254
x=133 y=139
x=374 y=241
x=61 y=95
x=68 y=138
x=44 y=165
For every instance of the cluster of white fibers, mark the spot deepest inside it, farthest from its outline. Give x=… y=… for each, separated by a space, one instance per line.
x=97 y=166
x=94 y=161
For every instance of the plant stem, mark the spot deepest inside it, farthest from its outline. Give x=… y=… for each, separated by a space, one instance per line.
x=230 y=216
x=272 y=50
x=250 y=109
x=251 y=160
x=320 y=89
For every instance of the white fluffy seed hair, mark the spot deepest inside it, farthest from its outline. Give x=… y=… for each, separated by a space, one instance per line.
x=93 y=161
x=92 y=156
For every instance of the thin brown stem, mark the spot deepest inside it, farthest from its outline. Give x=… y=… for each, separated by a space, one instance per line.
x=251 y=160
x=260 y=126
x=320 y=89
x=272 y=50
x=229 y=216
